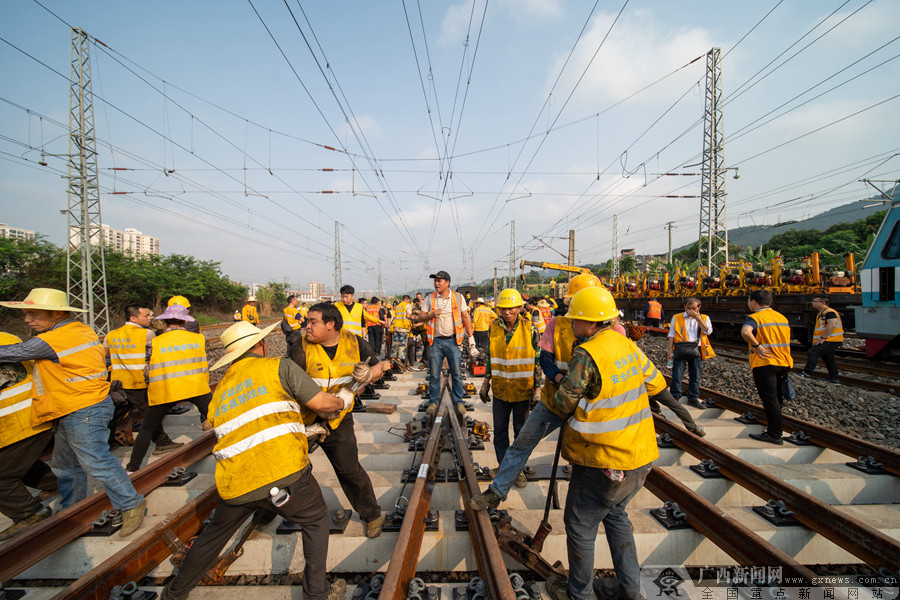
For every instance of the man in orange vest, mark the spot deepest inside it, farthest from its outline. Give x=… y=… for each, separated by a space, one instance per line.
x=689 y=327
x=653 y=314
x=377 y=315
x=828 y=336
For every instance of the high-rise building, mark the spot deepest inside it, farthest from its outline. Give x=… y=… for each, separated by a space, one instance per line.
x=130 y=241
x=316 y=289
x=15 y=233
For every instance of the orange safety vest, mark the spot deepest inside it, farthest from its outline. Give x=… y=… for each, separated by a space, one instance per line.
x=679 y=325
x=837 y=335
x=774 y=332
x=15 y=404
x=373 y=313
x=457 y=319
x=655 y=310
x=546 y=313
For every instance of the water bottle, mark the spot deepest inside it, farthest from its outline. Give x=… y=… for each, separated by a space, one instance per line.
x=279 y=497
x=669 y=364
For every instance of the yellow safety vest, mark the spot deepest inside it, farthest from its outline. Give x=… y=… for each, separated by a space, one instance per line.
x=837 y=335
x=332 y=375
x=774 y=332
x=563 y=340
x=615 y=429
x=538 y=321
x=680 y=328
x=77 y=381
x=290 y=316
x=237 y=315
x=352 y=319
x=250 y=314
x=512 y=364
x=128 y=355
x=259 y=428
x=401 y=321
x=457 y=319
x=15 y=404
x=178 y=367
x=482 y=317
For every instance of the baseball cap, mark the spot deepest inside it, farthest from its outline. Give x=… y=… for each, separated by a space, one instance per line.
x=440 y=275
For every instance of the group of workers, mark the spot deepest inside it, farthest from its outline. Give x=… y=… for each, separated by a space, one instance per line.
x=267 y=412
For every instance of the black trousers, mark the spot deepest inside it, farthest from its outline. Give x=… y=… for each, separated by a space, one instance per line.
x=376 y=336
x=153 y=418
x=825 y=351
x=669 y=401
x=341 y=450
x=20 y=466
x=501 y=412
x=483 y=339
x=769 y=380
x=306 y=506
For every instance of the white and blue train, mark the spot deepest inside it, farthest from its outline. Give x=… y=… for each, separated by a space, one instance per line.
x=878 y=319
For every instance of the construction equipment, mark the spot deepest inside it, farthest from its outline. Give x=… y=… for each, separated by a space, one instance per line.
x=555 y=266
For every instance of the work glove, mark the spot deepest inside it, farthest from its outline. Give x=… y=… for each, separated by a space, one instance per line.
x=485 y=392
x=473 y=349
x=316 y=433
x=362 y=373
x=347 y=396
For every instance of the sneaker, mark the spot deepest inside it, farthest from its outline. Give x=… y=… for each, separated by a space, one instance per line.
x=765 y=436
x=699 y=431
x=557 y=588
x=432 y=408
x=521 y=480
x=337 y=591
x=696 y=404
x=166 y=448
x=373 y=528
x=27 y=523
x=804 y=375
x=132 y=519
x=485 y=500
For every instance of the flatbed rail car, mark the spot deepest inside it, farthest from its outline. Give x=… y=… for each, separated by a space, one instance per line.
x=878 y=319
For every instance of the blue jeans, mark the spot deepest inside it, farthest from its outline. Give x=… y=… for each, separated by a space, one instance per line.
x=693 y=368
x=593 y=497
x=539 y=424
x=444 y=348
x=82 y=448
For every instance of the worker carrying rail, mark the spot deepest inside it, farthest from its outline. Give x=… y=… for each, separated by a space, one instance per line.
x=262 y=460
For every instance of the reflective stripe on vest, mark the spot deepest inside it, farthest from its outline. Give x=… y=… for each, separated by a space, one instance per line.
x=837 y=334
x=482 y=317
x=352 y=319
x=546 y=313
x=15 y=404
x=290 y=316
x=178 y=367
x=563 y=339
x=654 y=311
x=512 y=364
x=261 y=439
x=456 y=315
x=332 y=375
x=538 y=321
x=773 y=332
x=72 y=383
x=615 y=429
x=128 y=356
x=401 y=321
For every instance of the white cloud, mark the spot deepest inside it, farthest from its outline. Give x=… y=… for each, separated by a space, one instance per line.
x=456 y=18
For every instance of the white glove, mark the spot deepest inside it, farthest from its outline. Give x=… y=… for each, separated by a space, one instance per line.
x=473 y=349
x=316 y=433
x=362 y=373
x=347 y=396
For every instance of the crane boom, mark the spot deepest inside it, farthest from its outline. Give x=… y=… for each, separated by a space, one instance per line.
x=555 y=266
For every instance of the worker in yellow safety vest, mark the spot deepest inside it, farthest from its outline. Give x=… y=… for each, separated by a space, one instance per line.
x=353 y=314
x=262 y=458
x=339 y=361
x=510 y=364
x=482 y=317
x=249 y=313
x=69 y=388
x=534 y=313
x=828 y=336
x=401 y=326
x=291 y=323
x=688 y=347
x=768 y=333
x=192 y=326
x=177 y=371
x=21 y=446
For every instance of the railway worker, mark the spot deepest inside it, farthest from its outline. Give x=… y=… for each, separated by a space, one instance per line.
x=546 y=311
x=21 y=446
x=192 y=326
x=609 y=441
x=828 y=336
x=339 y=362
x=262 y=394
x=654 y=314
x=689 y=327
x=352 y=312
x=177 y=371
x=769 y=335
x=418 y=333
x=70 y=389
x=292 y=321
x=389 y=328
x=402 y=325
x=446 y=317
x=511 y=361
x=237 y=316
x=128 y=348
x=535 y=315
x=482 y=317
x=249 y=313
x=376 y=324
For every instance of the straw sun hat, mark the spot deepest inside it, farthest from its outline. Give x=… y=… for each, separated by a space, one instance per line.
x=239 y=338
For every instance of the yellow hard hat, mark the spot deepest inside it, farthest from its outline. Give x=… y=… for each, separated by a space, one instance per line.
x=509 y=298
x=180 y=301
x=581 y=282
x=593 y=304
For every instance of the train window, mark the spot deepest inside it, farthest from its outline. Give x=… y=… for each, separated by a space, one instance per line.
x=892 y=246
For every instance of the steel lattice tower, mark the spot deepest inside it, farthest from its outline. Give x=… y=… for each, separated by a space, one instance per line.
x=337 y=260
x=615 y=248
x=512 y=254
x=713 y=246
x=85 y=263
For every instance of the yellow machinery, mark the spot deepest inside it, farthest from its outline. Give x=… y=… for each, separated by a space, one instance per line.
x=560 y=288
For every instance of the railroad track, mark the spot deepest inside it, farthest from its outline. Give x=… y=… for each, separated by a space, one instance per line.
x=212 y=332
x=843 y=516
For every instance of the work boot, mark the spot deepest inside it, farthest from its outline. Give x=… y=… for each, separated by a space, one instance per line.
x=485 y=500
x=765 y=436
x=698 y=431
x=132 y=519
x=804 y=375
x=374 y=527
x=461 y=409
x=557 y=588
x=166 y=448
x=47 y=494
x=337 y=591
x=432 y=408
x=521 y=480
x=26 y=523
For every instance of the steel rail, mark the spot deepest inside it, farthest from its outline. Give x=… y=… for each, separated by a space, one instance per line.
x=822 y=436
x=854 y=536
x=138 y=558
x=402 y=566
x=50 y=535
x=484 y=541
x=736 y=539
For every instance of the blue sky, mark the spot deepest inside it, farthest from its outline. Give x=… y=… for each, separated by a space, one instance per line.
x=555 y=114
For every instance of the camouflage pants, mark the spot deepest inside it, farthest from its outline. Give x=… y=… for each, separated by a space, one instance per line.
x=398 y=346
